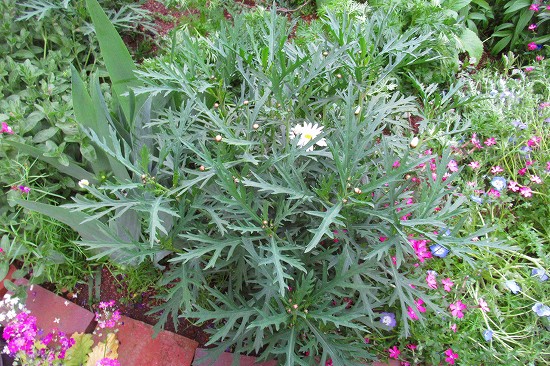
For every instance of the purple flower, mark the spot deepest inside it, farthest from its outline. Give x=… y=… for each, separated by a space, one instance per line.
x=439 y=250
x=518 y=124
x=388 y=319
x=540 y=273
x=476 y=199
x=512 y=286
x=498 y=183
x=541 y=309
x=488 y=335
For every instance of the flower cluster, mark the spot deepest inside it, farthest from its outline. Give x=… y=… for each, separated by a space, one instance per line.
x=107 y=316
x=20 y=334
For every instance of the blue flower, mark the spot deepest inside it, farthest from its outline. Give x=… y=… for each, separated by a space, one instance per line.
x=388 y=319
x=512 y=286
x=488 y=335
x=476 y=199
x=541 y=309
x=439 y=250
x=498 y=183
x=525 y=149
x=540 y=273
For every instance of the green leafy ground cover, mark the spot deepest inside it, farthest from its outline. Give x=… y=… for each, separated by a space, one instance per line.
x=324 y=193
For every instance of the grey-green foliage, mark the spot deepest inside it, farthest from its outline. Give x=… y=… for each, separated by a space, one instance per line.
x=275 y=243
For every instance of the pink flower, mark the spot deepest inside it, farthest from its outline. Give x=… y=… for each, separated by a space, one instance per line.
x=532 y=27
x=532 y=46
x=493 y=193
x=496 y=169
x=475 y=165
x=453 y=327
x=451 y=356
x=525 y=192
x=419 y=303
x=483 y=305
x=490 y=141
x=383 y=238
x=394 y=352
x=411 y=313
x=539 y=58
x=529 y=68
x=431 y=281
x=529 y=163
x=6 y=129
x=412 y=346
x=457 y=308
x=396 y=164
x=522 y=171
x=394 y=260
x=447 y=284
x=471 y=184
x=534 y=7
x=534 y=141
x=513 y=186
x=453 y=166
x=535 y=179
x=548 y=166
x=420 y=249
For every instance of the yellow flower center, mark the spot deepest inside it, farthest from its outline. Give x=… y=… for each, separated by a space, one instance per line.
x=308 y=136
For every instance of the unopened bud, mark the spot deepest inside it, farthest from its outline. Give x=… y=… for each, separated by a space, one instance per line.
x=202 y=168
x=245 y=102
x=414 y=142
x=325 y=53
x=357 y=110
x=255 y=126
x=216 y=105
x=339 y=76
x=295 y=306
x=357 y=190
x=218 y=138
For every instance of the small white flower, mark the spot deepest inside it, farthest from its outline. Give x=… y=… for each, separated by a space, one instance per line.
x=56 y=320
x=11 y=314
x=2 y=317
x=83 y=183
x=75 y=296
x=306 y=133
x=66 y=303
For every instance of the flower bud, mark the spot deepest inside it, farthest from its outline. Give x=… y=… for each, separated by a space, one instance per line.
x=83 y=183
x=255 y=126
x=218 y=138
x=414 y=142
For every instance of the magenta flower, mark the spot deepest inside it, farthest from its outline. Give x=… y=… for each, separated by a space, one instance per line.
x=419 y=303
x=534 y=141
x=6 y=129
x=475 y=141
x=451 y=356
x=394 y=352
x=539 y=58
x=496 y=169
x=529 y=68
x=431 y=281
x=112 y=362
x=396 y=164
x=526 y=192
x=411 y=313
x=420 y=249
x=490 y=141
x=534 y=7
x=532 y=27
x=532 y=46
x=453 y=327
x=457 y=308
x=522 y=171
x=447 y=284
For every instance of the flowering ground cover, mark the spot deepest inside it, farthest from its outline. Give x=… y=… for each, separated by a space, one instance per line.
x=347 y=189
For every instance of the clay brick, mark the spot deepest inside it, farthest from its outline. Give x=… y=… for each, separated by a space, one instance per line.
x=138 y=348
x=54 y=311
x=226 y=359
x=3 y=289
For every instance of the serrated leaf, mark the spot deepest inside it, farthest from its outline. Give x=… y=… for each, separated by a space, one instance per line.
x=107 y=349
x=329 y=217
x=472 y=44
x=78 y=353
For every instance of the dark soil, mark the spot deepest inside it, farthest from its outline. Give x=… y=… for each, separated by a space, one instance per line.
x=135 y=306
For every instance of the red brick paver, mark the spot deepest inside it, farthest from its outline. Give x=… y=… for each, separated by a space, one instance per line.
x=138 y=348
x=226 y=359
x=53 y=311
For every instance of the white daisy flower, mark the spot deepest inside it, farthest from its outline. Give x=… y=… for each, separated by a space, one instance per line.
x=306 y=133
